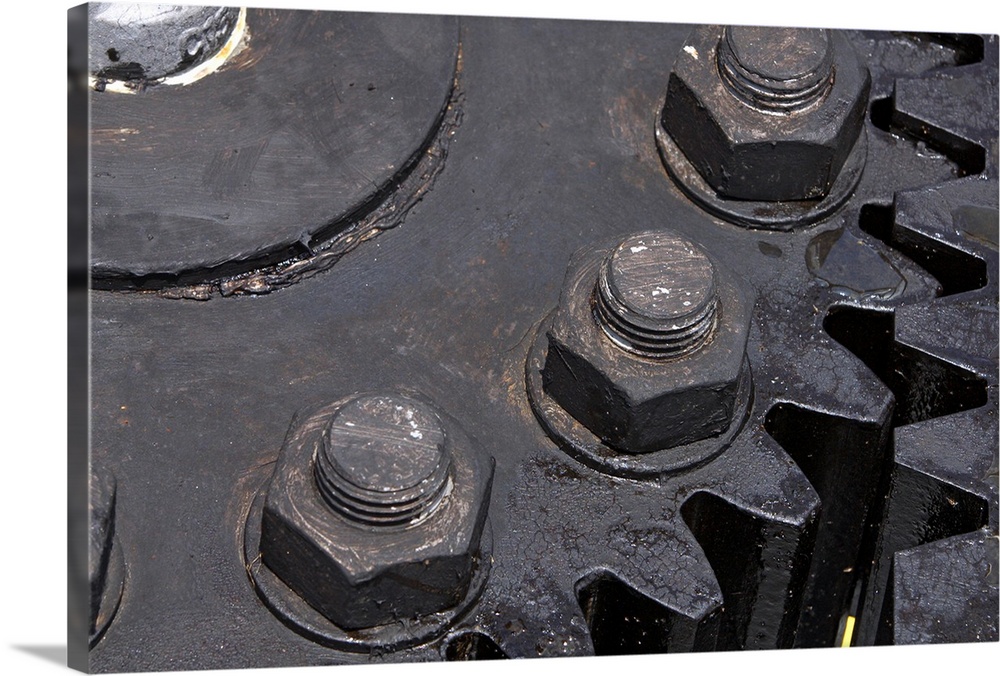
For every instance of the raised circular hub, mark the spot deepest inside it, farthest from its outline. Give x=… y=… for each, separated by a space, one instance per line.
x=383 y=461
x=656 y=295
x=316 y=121
x=776 y=68
x=137 y=43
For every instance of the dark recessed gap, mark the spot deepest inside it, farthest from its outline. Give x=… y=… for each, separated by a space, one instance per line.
x=843 y=460
x=876 y=220
x=918 y=509
x=866 y=333
x=930 y=388
x=473 y=646
x=882 y=625
x=125 y=72
x=970 y=157
x=624 y=622
x=113 y=55
x=957 y=270
x=881 y=113
x=925 y=387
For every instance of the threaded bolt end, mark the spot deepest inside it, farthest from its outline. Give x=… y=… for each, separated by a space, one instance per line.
x=656 y=296
x=384 y=461
x=776 y=69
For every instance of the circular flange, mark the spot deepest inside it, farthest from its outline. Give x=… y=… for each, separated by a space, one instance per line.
x=583 y=445
x=291 y=609
x=314 y=122
x=761 y=214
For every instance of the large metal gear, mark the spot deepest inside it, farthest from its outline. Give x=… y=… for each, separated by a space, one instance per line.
x=618 y=391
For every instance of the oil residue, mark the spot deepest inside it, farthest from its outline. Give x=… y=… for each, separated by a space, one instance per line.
x=851 y=267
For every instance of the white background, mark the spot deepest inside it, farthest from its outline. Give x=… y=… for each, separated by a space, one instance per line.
x=33 y=328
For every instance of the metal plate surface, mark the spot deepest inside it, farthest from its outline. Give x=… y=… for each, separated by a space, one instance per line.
x=865 y=464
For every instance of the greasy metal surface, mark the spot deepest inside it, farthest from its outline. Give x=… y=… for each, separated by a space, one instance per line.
x=867 y=363
x=777 y=69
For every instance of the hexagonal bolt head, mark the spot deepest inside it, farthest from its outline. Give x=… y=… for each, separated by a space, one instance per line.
x=375 y=511
x=768 y=114
x=647 y=347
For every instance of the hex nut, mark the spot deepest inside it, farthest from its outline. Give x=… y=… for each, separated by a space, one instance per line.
x=633 y=403
x=782 y=146
x=359 y=575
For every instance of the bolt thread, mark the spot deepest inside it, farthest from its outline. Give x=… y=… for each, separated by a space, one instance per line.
x=778 y=95
x=389 y=504
x=655 y=337
x=391 y=508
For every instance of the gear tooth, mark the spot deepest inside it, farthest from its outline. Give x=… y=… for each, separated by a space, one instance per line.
x=932 y=210
x=954 y=450
x=941 y=485
x=856 y=472
x=756 y=526
x=802 y=363
x=958 y=330
x=663 y=569
x=761 y=479
x=654 y=576
x=924 y=385
x=645 y=612
x=540 y=619
x=935 y=109
x=939 y=358
x=857 y=396
x=944 y=229
x=925 y=608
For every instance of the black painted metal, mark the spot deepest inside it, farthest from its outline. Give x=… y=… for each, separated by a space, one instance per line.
x=859 y=458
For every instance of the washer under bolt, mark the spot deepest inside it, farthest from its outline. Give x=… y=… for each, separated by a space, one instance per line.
x=656 y=296
x=383 y=461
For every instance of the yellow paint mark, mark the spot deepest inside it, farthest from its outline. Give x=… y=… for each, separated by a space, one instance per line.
x=848 y=632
